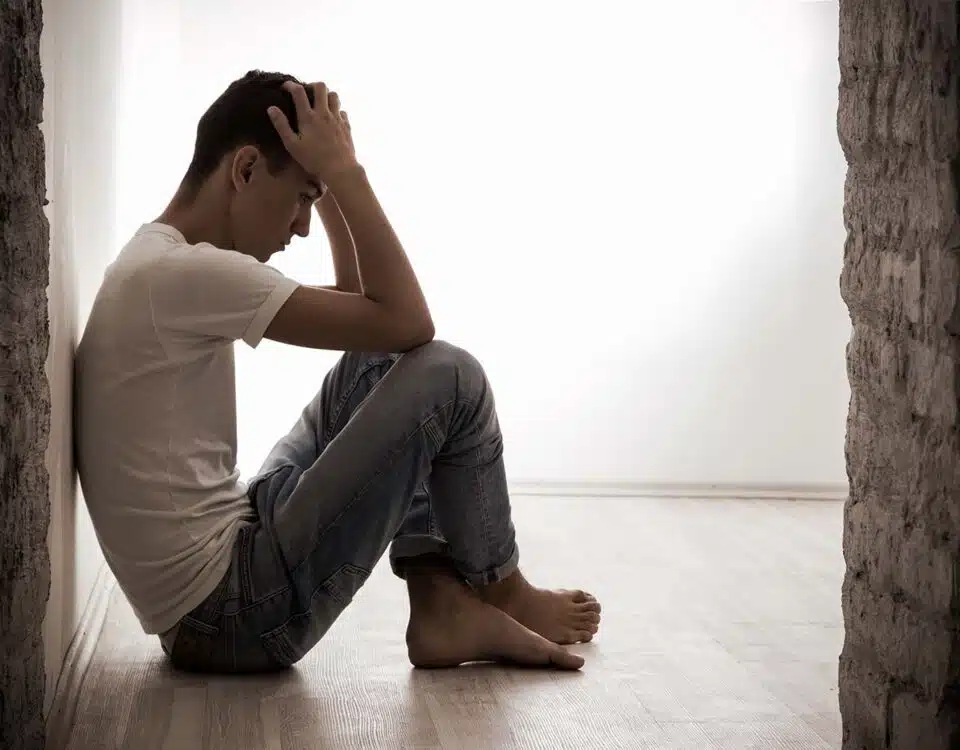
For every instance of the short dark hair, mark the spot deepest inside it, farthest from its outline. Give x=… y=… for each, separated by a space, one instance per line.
x=239 y=118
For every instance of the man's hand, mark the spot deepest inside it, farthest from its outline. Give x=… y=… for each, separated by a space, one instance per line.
x=324 y=144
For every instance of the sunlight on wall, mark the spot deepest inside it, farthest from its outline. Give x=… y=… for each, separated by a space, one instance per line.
x=621 y=211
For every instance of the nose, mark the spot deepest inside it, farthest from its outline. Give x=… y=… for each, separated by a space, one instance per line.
x=301 y=225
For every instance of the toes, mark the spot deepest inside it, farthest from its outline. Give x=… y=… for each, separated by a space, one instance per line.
x=584 y=600
x=591 y=606
x=579 y=633
x=562 y=658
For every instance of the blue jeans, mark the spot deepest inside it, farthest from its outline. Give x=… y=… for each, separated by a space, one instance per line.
x=399 y=451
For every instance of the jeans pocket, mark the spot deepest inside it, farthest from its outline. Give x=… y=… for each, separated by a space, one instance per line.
x=289 y=643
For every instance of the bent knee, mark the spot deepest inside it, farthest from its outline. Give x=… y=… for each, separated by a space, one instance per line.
x=440 y=359
x=445 y=353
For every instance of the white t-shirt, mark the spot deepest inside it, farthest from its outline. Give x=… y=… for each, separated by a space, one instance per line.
x=155 y=422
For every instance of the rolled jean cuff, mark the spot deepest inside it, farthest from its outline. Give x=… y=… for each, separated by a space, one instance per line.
x=417 y=545
x=496 y=573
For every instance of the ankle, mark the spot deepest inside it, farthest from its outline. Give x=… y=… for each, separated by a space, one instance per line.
x=431 y=578
x=503 y=591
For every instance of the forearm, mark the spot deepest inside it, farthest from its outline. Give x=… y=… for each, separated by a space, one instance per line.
x=388 y=278
x=342 y=248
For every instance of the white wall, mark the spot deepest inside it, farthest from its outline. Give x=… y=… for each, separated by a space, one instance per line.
x=631 y=214
x=79 y=56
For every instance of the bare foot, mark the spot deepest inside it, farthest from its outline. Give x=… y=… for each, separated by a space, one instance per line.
x=561 y=616
x=451 y=625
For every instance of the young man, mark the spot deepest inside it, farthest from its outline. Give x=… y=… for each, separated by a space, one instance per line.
x=399 y=450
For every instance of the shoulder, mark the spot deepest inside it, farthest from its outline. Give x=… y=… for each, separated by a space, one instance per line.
x=173 y=268
x=160 y=245
x=183 y=264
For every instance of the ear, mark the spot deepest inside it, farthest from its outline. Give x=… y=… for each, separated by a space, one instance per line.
x=244 y=165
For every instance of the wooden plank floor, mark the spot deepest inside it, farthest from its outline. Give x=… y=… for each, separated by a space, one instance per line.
x=722 y=629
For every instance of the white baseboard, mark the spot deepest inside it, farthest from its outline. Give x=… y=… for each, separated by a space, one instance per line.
x=831 y=492
x=77 y=661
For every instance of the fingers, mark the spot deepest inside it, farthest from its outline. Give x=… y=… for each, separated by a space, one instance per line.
x=321 y=96
x=282 y=126
x=324 y=100
x=333 y=102
x=323 y=131
x=300 y=100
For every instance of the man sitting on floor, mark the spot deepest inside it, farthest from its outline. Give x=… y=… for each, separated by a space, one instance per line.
x=400 y=449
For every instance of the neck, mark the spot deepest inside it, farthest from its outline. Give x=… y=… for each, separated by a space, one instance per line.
x=200 y=216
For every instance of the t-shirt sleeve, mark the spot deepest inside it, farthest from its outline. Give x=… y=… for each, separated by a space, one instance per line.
x=207 y=292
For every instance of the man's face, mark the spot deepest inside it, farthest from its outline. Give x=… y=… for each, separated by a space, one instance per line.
x=268 y=209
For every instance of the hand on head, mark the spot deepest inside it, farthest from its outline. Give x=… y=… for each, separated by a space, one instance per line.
x=323 y=145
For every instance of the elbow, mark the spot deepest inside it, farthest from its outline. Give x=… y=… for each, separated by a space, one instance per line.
x=425 y=334
x=429 y=330
x=422 y=334
x=424 y=330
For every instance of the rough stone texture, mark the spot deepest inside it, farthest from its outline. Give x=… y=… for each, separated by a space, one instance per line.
x=24 y=399
x=900 y=130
